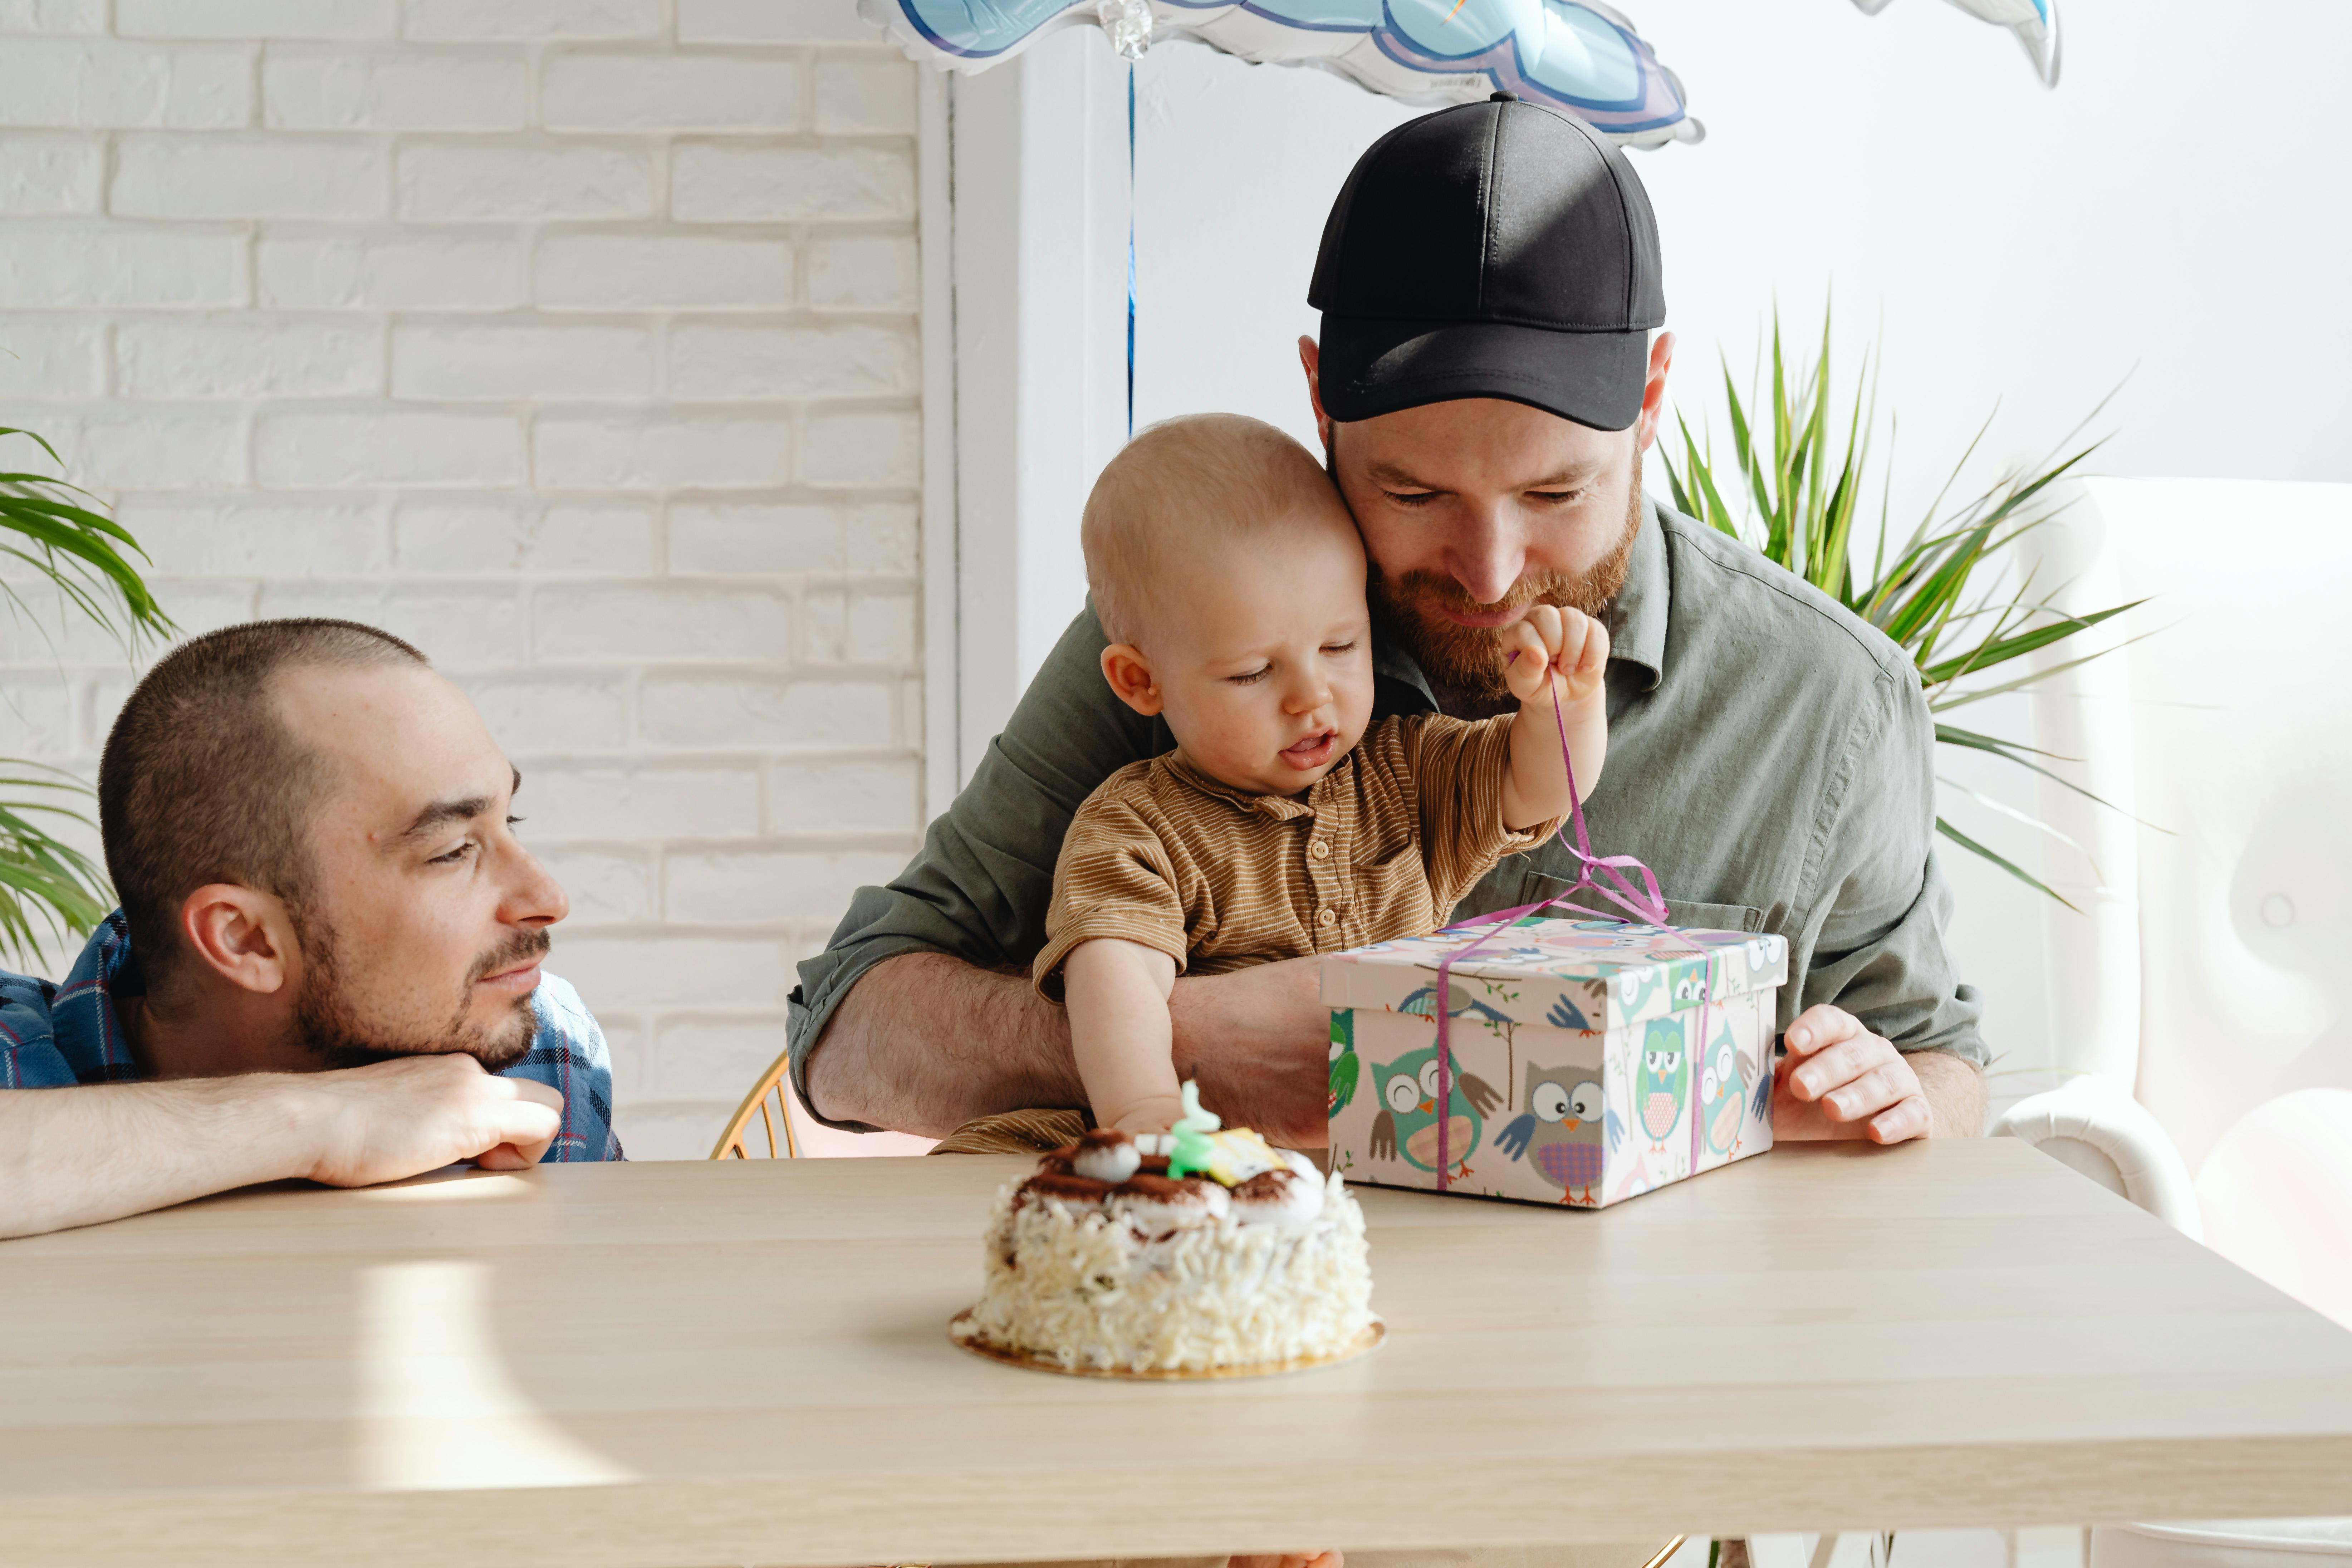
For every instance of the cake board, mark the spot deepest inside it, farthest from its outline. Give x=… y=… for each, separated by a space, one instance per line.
x=1374 y=1332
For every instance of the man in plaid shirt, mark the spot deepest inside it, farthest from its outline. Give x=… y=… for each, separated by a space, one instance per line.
x=327 y=961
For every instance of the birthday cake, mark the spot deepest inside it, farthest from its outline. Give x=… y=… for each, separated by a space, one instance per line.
x=1201 y=1254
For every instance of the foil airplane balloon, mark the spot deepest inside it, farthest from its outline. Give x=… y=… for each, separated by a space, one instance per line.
x=2035 y=23
x=1581 y=56
x=1576 y=55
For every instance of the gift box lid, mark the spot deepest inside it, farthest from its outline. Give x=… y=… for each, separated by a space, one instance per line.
x=1593 y=974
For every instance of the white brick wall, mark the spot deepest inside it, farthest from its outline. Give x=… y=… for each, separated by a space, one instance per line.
x=575 y=339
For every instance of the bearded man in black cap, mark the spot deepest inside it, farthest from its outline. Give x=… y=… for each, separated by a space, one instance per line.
x=1486 y=384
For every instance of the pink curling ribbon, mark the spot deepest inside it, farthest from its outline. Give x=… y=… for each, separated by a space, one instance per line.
x=1644 y=901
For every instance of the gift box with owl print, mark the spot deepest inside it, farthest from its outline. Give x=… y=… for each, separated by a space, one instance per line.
x=1593 y=1061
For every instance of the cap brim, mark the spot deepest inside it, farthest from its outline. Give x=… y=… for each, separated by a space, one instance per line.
x=1373 y=367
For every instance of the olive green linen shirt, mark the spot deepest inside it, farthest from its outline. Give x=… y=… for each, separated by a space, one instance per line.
x=1770 y=758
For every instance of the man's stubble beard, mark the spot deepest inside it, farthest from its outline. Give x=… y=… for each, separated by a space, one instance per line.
x=1465 y=664
x=332 y=1032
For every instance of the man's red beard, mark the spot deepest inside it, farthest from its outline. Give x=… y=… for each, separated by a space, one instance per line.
x=1465 y=663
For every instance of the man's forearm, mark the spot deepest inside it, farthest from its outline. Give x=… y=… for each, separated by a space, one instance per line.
x=79 y=1156
x=1258 y=1041
x=1955 y=1092
x=924 y=1042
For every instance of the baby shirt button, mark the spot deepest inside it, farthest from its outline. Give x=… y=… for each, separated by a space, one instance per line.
x=1327 y=917
x=1320 y=849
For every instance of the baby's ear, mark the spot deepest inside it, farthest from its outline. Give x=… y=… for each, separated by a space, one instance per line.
x=1124 y=666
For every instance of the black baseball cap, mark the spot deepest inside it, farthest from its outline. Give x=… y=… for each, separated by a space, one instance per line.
x=1494 y=249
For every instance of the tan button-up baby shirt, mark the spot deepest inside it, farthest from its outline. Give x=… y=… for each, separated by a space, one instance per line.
x=1383 y=846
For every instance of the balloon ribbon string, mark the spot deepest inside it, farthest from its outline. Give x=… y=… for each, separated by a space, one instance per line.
x=1644 y=901
x=1130 y=251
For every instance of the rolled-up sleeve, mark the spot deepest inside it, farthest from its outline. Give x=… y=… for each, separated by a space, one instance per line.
x=1881 y=902
x=978 y=888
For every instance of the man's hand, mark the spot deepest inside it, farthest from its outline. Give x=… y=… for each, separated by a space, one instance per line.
x=396 y=1118
x=1840 y=1080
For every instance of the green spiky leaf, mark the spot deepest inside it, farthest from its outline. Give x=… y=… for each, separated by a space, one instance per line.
x=49 y=891
x=1942 y=594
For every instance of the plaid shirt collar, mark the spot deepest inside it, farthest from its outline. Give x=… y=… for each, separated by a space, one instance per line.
x=86 y=1030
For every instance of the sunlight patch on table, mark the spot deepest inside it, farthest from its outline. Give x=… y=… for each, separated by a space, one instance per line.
x=448 y=1189
x=439 y=1410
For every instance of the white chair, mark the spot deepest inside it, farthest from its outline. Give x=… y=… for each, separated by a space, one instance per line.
x=2198 y=1013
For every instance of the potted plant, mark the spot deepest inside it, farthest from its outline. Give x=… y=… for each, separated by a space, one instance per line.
x=47 y=886
x=1945 y=596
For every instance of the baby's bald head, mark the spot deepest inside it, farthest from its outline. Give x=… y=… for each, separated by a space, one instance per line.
x=1187 y=492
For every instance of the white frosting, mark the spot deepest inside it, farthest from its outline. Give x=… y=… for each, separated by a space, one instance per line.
x=1112 y=1162
x=1295 y=1198
x=1092 y=1290
x=1078 y=1208
x=1153 y=1216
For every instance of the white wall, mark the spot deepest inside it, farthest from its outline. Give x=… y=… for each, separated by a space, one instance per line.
x=2171 y=214
x=1040 y=197
x=578 y=342
x=2174 y=205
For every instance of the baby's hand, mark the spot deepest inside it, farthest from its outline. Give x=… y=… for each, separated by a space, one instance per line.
x=1567 y=643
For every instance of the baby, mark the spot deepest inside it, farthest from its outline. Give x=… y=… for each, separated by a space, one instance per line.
x=1229 y=580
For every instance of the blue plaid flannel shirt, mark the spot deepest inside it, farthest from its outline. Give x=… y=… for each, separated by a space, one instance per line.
x=56 y=1035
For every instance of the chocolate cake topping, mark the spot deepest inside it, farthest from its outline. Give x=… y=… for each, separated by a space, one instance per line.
x=1160 y=1189
x=1071 y=1189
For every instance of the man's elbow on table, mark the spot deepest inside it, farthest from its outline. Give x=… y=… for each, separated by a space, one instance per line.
x=83 y=1156
x=80 y=1156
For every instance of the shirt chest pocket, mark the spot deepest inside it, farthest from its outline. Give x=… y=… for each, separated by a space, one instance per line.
x=1681 y=912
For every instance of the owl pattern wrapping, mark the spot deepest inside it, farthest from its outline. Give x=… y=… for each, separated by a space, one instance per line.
x=1590 y=1060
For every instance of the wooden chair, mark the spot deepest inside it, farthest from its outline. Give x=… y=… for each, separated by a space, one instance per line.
x=770 y=1098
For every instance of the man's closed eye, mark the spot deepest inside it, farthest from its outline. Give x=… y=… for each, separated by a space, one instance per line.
x=460 y=852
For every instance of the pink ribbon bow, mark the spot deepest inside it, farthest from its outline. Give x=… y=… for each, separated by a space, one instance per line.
x=1597 y=872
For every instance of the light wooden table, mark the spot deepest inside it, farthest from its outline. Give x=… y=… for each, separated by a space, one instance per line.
x=748 y=1363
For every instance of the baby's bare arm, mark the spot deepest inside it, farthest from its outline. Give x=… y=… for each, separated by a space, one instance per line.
x=1120 y=1032
x=1566 y=650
